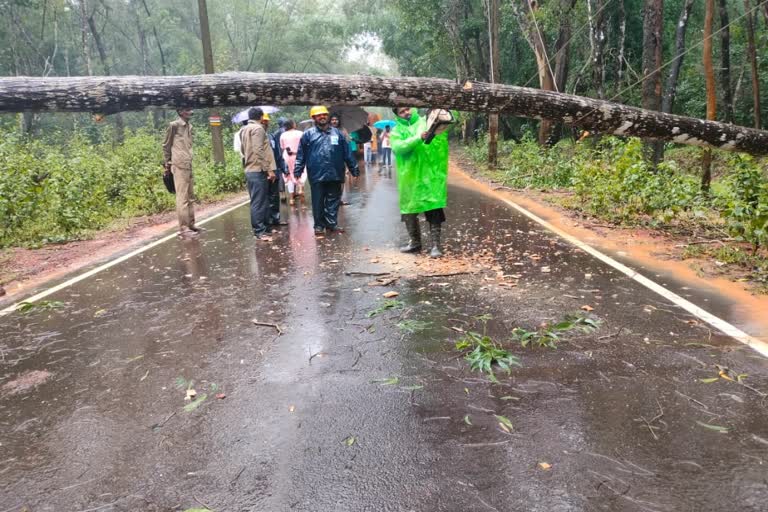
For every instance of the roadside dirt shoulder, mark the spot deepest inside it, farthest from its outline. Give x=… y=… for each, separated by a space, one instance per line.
x=23 y=269
x=658 y=253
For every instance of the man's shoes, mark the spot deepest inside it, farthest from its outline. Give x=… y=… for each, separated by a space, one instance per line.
x=263 y=237
x=280 y=223
x=319 y=231
x=196 y=229
x=188 y=233
x=336 y=229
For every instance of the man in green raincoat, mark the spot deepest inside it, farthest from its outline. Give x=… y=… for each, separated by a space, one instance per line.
x=422 y=178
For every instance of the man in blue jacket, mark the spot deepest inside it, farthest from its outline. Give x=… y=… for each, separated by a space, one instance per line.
x=325 y=152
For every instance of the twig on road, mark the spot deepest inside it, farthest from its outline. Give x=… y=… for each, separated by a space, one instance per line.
x=481 y=445
x=201 y=503
x=267 y=324
x=232 y=482
x=355 y=273
x=447 y=274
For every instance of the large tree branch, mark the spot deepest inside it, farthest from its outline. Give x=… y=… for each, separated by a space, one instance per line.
x=111 y=94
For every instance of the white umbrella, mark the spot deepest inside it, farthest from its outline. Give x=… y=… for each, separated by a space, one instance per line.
x=243 y=114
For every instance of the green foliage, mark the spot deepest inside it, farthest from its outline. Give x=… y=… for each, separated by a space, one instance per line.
x=550 y=335
x=52 y=192
x=744 y=202
x=484 y=353
x=42 y=305
x=385 y=306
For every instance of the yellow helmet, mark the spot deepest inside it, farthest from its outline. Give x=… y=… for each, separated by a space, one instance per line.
x=265 y=117
x=316 y=111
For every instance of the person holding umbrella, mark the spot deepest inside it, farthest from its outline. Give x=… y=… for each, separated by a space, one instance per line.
x=324 y=151
x=422 y=177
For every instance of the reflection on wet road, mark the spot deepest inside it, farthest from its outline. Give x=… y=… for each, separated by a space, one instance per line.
x=354 y=407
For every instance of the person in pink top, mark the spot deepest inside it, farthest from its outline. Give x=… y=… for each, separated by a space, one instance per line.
x=289 y=143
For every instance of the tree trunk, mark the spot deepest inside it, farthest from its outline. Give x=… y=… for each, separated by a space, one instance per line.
x=205 y=36
x=119 y=124
x=674 y=72
x=84 y=34
x=493 y=119
x=562 y=56
x=725 y=61
x=116 y=94
x=532 y=33
x=709 y=76
x=622 y=39
x=752 y=56
x=597 y=19
x=652 y=31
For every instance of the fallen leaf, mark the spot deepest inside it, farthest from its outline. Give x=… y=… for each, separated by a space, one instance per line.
x=386 y=382
x=467 y=420
x=391 y=294
x=191 y=394
x=545 y=466
x=350 y=440
x=221 y=396
x=194 y=405
x=716 y=428
x=509 y=397
x=144 y=377
x=546 y=270
x=587 y=307
x=100 y=312
x=725 y=376
x=292 y=408
x=504 y=423
x=709 y=381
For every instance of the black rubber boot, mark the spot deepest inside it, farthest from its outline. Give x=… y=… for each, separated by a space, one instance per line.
x=414 y=234
x=434 y=233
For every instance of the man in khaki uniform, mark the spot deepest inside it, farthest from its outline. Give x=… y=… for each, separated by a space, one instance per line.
x=260 y=170
x=177 y=158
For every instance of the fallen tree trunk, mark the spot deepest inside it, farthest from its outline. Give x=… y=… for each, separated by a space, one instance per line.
x=113 y=94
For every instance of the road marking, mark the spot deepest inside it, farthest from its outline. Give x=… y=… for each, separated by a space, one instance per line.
x=109 y=264
x=731 y=330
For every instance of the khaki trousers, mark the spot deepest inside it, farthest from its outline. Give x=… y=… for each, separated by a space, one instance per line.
x=184 y=182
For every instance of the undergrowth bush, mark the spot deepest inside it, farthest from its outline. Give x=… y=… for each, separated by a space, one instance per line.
x=57 y=192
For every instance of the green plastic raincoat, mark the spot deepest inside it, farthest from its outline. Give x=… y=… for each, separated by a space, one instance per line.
x=422 y=169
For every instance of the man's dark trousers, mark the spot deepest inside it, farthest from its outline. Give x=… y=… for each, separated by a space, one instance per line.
x=274 y=201
x=258 y=190
x=326 y=198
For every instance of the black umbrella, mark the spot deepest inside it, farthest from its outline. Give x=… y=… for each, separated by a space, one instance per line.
x=168 y=182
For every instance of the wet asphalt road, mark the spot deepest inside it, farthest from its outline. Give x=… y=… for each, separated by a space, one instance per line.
x=350 y=412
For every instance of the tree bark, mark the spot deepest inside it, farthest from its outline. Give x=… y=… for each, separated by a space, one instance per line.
x=752 y=56
x=205 y=36
x=119 y=124
x=709 y=76
x=533 y=36
x=651 y=90
x=674 y=72
x=493 y=119
x=113 y=94
x=725 y=61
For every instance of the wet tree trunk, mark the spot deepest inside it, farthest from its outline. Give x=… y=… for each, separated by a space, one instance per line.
x=562 y=57
x=752 y=56
x=115 y=94
x=493 y=119
x=725 y=61
x=709 y=76
x=674 y=72
x=651 y=91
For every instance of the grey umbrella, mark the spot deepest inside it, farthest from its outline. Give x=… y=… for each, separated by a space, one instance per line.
x=352 y=118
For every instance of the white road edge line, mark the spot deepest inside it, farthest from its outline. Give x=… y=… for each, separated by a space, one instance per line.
x=109 y=264
x=756 y=344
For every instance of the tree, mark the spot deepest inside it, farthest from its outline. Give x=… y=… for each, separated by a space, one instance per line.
x=652 y=48
x=725 y=61
x=677 y=62
x=749 y=21
x=709 y=75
